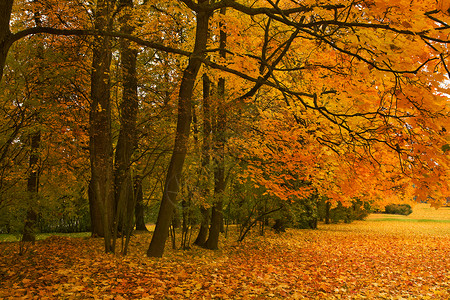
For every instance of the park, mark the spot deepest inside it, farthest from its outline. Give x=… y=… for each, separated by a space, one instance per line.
x=384 y=257
x=224 y=149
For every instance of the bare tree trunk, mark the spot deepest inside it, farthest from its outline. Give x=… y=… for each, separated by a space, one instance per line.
x=101 y=151
x=172 y=183
x=139 y=208
x=203 y=232
x=126 y=144
x=219 y=157
x=327 y=212
x=5 y=42
x=186 y=224
x=29 y=234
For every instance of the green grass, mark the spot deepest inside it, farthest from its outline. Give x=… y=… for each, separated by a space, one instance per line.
x=409 y=220
x=42 y=236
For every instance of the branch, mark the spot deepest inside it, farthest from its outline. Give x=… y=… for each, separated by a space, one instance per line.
x=258 y=80
x=253 y=11
x=89 y=32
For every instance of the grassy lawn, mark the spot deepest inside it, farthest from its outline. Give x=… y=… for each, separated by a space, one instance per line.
x=421 y=213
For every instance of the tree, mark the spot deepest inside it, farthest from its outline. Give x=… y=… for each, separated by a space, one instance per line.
x=5 y=33
x=101 y=186
x=362 y=132
x=218 y=150
x=205 y=159
x=124 y=192
x=173 y=177
x=34 y=168
x=344 y=96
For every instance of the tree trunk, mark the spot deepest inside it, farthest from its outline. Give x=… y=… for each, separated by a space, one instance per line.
x=100 y=146
x=219 y=157
x=32 y=188
x=139 y=209
x=29 y=234
x=206 y=146
x=5 y=33
x=186 y=225
x=172 y=183
x=327 y=212
x=203 y=231
x=126 y=144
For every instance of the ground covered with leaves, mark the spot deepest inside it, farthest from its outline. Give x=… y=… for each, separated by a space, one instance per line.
x=375 y=259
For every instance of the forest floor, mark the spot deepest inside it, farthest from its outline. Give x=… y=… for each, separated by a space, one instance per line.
x=384 y=257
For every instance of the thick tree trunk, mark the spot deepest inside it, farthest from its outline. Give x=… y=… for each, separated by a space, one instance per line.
x=32 y=188
x=172 y=183
x=101 y=151
x=126 y=144
x=203 y=231
x=219 y=158
x=206 y=146
x=5 y=33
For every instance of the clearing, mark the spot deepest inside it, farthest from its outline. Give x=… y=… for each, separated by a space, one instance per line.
x=384 y=257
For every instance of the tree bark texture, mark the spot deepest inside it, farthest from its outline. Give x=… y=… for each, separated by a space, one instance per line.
x=172 y=182
x=101 y=151
x=219 y=157
x=139 y=209
x=29 y=234
x=32 y=188
x=327 y=212
x=206 y=146
x=5 y=33
x=126 y=144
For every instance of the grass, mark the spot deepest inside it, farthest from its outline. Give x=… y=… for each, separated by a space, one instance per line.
x=422 y=213
x=410 y=220
x=43 y=236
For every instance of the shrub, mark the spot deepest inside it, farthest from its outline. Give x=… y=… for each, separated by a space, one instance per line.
x=359 y=210
x=398 y=209
x=301 y=213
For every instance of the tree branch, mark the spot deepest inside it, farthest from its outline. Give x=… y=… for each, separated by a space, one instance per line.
x=90 y=32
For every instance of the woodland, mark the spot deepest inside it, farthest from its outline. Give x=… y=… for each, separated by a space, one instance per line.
x=199 y=116
x=161 y=130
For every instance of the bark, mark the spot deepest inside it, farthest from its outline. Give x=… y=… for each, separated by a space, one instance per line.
x=172 y=182
x=35 y=142
x=128 y=214
x=140 y=207
x=206 y=146
x=219 y=158
x=126 y=144
x=5 y=33
x=186 y=225
x=203 y=231
x=219 y=176
x=327 y=212
x=100 y=146
x=32 y=188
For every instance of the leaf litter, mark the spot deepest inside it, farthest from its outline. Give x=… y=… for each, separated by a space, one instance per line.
x=363 y=260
